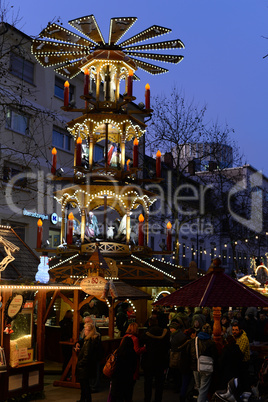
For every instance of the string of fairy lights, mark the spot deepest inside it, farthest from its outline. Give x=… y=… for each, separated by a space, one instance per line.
x=221 y=247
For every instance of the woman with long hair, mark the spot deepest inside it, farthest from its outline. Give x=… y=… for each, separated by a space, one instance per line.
x=123 y=377
x=87 y=363
x=133 y=333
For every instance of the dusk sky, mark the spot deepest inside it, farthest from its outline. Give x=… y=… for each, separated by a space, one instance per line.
x=223 y=65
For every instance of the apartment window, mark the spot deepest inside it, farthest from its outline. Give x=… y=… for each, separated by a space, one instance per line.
x=61 y=139
x=24 y=69
x=11 y=170
x=17 y=121
x=59 y=89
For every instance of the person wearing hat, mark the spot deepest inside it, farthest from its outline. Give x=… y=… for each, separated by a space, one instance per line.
x=181 y=315
x=177 y=338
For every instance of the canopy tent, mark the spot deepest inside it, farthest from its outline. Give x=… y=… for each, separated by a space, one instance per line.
x=216 y=290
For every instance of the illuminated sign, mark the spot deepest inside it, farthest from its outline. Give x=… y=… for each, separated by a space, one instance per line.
x=34 y=215
x=95 y=286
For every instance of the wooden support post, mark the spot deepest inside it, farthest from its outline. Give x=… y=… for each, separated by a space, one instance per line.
x=90 y=151
x=123 y=147
x=53 y=299
x=217 y=327
x=128 y=227
x=98 y=87
x=5 y=295
x=62 y=232
x=76 y=316
x=146 y=227
x=5 y=338
x=106 y=144
x=83 y=225
x=76 y=322
x=40 y=332
x=111 y=320
x=73 y=360
x=105 y=217
x=117 y=86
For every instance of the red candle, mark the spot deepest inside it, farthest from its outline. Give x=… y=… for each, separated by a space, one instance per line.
x=39 y=233
x=78 y=159
x=130 y=83
x=169 y=226
x=54 y=161
x=70 y=228
x=66 y=93
x=141 y=232
x=147 y=96
x=135 y=153
x=86 y=81
x=128 y=162
x=158 y=164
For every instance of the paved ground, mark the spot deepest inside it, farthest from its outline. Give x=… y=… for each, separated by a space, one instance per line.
x=71 y=395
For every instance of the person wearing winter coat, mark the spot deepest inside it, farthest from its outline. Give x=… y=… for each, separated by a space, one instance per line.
x=122 y=381
x=182 y=317
x=225 y=325
x=241 y=340
x=250 y=326
x=87 y=361
x=155 y=359
x=230 y=362
x=206 y=347
x=94 y=382
x=243 y=343
x=187 y=381
x=177 y=338
x=262 y=327
x=199 y=316
x=132 y=332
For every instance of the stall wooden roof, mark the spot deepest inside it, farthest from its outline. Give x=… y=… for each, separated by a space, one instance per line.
x=126 y=291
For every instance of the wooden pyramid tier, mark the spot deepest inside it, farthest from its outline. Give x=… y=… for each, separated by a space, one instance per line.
x=118 y=197
x=100 y=204
x=118 y=127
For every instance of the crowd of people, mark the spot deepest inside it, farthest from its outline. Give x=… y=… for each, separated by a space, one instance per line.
x=168 y=353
